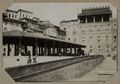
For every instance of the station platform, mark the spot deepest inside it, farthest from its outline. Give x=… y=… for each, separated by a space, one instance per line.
x=11 y=61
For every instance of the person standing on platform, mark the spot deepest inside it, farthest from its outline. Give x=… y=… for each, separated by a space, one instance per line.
x=34 y=59
x=29 y=58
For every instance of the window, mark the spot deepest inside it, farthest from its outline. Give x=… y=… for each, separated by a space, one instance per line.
x=90 y=46
x=114 y=37
x=83 y=40
x=98 y=36
x=107 y=46
x=107 y=36
x=12 y=16
x=99 y=46
x=98 y=18
x=98 y=40
x=90 y=37
x=4 y=49
x=68 y=38
x=90 y=19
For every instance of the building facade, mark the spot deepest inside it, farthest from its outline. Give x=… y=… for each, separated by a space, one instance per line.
x=19 y=14
x=96 y=29
x=72 y=30
x=55 y=32
x=21 y=21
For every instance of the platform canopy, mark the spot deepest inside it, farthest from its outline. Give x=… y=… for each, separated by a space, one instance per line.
x=31 y=37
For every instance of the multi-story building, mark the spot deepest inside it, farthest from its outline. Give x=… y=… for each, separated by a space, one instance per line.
x=55 y=32
x=94 y=28
x=22 y=21
x=33 y=26
x=19 y=14
x=12 y=19
x=24 y=14
x=11 y=14
x=11 y=24
x=72 y=30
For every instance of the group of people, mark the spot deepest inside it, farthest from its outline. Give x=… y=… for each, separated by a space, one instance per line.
x=31 y=59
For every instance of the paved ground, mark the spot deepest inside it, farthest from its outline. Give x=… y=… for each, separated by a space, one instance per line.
x=101 y=73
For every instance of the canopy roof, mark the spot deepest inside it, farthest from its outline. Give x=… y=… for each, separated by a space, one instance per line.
x=17 y=33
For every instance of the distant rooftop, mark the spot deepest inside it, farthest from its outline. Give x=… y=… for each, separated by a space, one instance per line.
x=74 y=20
x=18 y=10
x=96 y=10
x=11 y=10
x=25 y=10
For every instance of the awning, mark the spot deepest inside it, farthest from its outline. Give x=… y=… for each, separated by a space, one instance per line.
x=17 y=33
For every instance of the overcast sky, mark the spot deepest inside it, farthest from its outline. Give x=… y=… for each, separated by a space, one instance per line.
x=55 y=12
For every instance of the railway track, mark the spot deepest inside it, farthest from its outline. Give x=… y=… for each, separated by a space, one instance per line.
x=22 y=72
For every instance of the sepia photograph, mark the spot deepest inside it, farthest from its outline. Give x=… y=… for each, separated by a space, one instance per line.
x=47 y=42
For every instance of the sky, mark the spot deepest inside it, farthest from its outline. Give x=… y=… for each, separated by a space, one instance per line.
x=56 y=12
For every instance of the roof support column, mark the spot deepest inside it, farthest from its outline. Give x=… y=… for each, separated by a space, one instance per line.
x=59 y=49
x=70 y=50
x=39 y=50
x=42 y=51
x=75 y=51
x=102 y=18
x=53 y=48
x=45 y=49
x=49 y=51
x=86 y=20
x=8 y=53
x=35 y=48
x=94 y=19
x=65 y=50
x=20 y=45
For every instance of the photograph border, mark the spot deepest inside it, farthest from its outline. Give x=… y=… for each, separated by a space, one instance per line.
x=4 y=76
